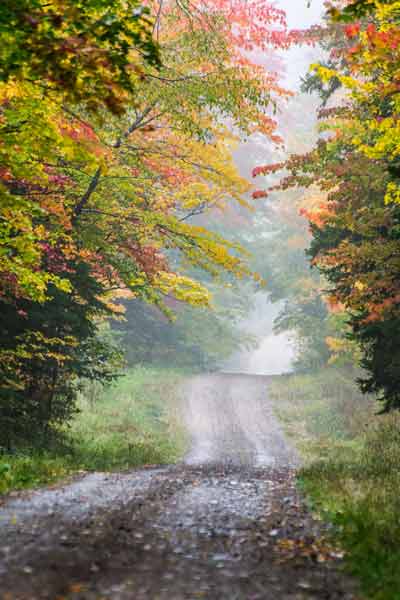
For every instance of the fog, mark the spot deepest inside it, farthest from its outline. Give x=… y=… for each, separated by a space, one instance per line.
x=274 y=353
x=300 y=16
x=302 y=13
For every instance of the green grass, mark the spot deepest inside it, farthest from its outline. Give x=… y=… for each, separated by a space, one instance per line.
x=131 y=424
x=351 y=472
x=30 y=470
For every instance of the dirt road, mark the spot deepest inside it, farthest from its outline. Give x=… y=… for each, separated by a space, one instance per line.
x=227 y=524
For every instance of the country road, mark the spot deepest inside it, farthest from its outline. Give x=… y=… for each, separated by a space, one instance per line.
x=226 y=524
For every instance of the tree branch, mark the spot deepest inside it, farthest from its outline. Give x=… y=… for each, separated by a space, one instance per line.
x=86 y=196
x=138 y=121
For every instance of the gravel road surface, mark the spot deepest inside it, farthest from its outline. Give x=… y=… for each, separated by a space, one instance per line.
x=226 y=524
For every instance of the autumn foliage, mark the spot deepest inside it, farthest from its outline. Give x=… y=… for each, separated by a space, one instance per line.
x=355 y=165
x=116 y=131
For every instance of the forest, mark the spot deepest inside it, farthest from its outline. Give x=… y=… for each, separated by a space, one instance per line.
x=171 y=171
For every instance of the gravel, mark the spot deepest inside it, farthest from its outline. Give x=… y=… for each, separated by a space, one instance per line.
x=228 y=523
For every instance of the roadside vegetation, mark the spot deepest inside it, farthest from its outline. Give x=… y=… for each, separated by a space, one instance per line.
x=117 y=171
x=129 y=424
x=342 y=404
x=351 y=470
x=126 y=239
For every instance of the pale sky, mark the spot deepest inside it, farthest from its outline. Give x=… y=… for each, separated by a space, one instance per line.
x=300 y=16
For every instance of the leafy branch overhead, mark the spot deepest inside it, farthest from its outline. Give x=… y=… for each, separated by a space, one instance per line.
x=88 y=51
x=355 y=224
x=115 y=140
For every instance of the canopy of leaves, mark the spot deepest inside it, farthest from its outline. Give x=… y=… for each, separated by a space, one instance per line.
x=89 y=51
x=354 y=10
x=355 y=224
x=115 y=133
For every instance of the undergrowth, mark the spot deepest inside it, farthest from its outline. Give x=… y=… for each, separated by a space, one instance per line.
x=131 y=424
x=351 y=471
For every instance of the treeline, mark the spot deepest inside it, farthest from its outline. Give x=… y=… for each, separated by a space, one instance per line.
x=353 y=178
x=113 y=138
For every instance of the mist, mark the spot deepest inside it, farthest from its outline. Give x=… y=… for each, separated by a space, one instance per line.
x=301 y=14
x=199 y=300
x=274 y=353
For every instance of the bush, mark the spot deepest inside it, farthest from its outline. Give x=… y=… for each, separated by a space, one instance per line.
x=46 y=350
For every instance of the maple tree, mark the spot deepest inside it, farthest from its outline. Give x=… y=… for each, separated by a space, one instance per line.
x=108 y=190
x=355 y=223
x=88 y=51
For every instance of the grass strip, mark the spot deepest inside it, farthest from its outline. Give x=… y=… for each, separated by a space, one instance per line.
x=131 y=424
x=351 y=471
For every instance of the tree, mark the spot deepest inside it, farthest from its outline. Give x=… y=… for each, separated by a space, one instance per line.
x=355 y=227
x=46 y=354
x=281 y=255
x=113 y=187
x=89 y=51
